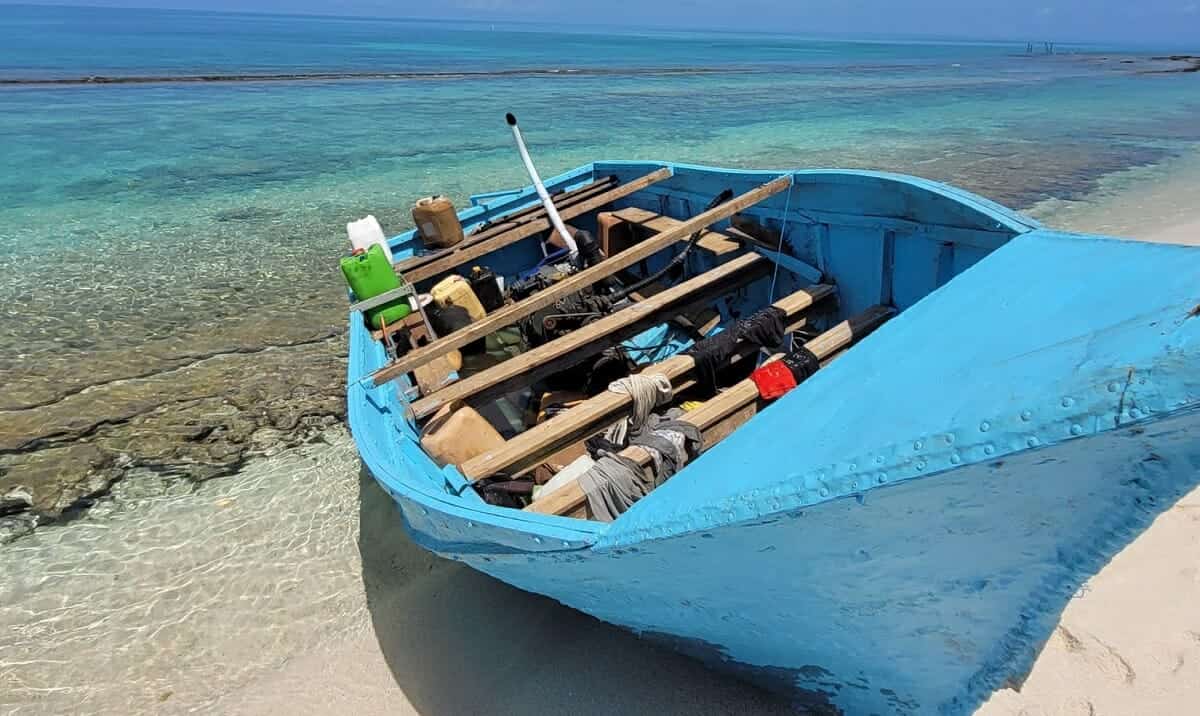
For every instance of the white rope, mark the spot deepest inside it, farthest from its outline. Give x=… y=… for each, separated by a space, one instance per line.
x=647 y=392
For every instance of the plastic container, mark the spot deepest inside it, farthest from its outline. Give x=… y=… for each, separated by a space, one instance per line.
x=455 y=435
x=437 y=222
x=366 y=233
x=615 y=233
x=369 y=274
x=486 y=288
x=456 y=291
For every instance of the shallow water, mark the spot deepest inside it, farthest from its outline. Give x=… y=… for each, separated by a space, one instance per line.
x=171 y=595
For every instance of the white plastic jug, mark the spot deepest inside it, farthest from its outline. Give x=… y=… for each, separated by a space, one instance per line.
x=365 y=232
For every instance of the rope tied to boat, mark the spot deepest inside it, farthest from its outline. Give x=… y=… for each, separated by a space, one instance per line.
x=647 y=393
x=761 y=329
x=615 y=482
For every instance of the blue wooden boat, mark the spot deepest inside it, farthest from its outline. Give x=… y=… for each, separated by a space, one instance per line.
x=898 y=533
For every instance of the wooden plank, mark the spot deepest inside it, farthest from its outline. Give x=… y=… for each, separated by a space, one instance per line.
x=509 y=221
x=529 y=448
x=592 y=339
x=537 y=210
x=510 y=314
x=686 y=322
x=412 y=322
x=720 y=416
x=524 y=231
x=712 y=241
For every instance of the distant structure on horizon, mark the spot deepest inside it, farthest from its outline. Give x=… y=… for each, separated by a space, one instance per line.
x=1047 y=48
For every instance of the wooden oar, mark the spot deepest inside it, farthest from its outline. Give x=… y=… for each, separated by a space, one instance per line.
x=509 y=315
x=510 y=221
x=524 y=231
x=725 y=412
x=592 y=339
x=530 y=448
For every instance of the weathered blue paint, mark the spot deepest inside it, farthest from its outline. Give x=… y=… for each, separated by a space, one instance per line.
x=900 y=533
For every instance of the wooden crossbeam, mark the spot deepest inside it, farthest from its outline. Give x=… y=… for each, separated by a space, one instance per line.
x=529 y=449
x=714 y=242
x=592 y=339
x=510 y=314
x=510 y=221
x=720 y=416
x=525 y=230
x=537 y=210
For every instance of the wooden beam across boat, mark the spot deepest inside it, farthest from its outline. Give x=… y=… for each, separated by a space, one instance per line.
x=525 y=230
x=715 y=242
x=594 y=338
x=510 y=314
x=510 y=221
x=528 y=449
x=720 y=416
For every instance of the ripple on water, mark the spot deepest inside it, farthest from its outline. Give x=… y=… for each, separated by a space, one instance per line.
x=171 y=596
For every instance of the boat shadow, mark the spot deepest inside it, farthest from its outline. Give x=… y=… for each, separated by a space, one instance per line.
x=459 y=642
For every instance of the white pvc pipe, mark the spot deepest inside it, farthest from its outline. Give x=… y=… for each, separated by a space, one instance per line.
x=555 y=219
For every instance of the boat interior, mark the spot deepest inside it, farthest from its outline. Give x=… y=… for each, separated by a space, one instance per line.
x=571 y=381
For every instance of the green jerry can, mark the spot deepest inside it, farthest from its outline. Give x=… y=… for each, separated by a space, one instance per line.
x=369 y=274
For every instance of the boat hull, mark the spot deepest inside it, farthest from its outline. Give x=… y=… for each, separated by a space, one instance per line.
x=922 y=597
x=900 y=533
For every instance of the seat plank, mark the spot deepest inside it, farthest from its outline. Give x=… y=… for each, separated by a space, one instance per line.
x=714 y=242
x=528 y=449
x=594 y=338
x=720 y=416
x=510 y=314
x=524 y=231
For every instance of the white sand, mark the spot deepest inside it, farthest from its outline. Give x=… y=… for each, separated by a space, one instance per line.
x=1129 y=643
x=445 y=640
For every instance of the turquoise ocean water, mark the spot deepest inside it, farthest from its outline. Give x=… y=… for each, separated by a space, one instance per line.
x=209 y=215
x=170 y=303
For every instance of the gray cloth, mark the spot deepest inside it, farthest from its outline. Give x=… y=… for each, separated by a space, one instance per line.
x=615 y=483
x=671 y=443
x=612 y=485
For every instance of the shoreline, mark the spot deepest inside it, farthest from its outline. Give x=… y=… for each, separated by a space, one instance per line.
x=180 y=404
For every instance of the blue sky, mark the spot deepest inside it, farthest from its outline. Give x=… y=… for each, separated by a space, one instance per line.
x=1134 y=21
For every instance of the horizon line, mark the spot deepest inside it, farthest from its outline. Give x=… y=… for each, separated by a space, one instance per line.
x=573 y=29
